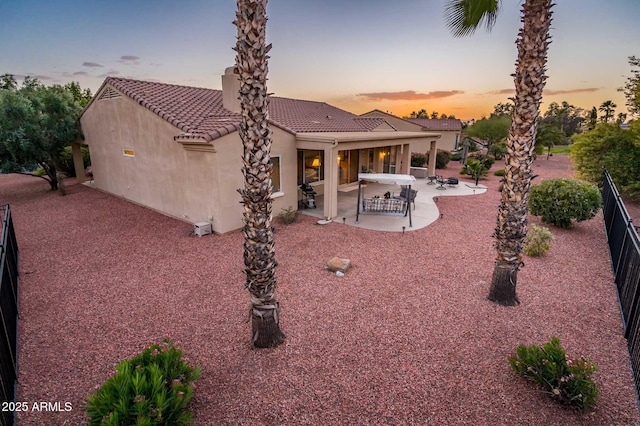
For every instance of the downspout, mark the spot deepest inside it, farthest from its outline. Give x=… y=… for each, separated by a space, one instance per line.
x=330 y=189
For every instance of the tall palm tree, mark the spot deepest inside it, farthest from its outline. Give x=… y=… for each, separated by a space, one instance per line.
x=609 y=109
x=259 y=254
x=463 y=17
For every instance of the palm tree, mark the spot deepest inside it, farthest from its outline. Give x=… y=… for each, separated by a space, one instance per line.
x=463 y=17
x=259 y=254
x=608 y=108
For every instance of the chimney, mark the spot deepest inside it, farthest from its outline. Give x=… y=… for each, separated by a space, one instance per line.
x=231 y=90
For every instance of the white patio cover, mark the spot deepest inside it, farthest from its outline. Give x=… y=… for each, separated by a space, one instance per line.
x=387 y=178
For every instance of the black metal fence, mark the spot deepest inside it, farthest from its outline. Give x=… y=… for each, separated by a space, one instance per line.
x=624 y=246
x=8 y=317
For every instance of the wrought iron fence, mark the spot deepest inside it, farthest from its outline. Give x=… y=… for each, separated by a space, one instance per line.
x=8 y=316
x=624 y=247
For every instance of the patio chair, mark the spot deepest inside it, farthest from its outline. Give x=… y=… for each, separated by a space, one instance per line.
x=403 y=196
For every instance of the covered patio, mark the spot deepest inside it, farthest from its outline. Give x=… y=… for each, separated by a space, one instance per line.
x=330 y=162
x=425 y=211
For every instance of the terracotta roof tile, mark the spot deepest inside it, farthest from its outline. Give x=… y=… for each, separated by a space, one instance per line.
x=199 y=113
x=437 y=124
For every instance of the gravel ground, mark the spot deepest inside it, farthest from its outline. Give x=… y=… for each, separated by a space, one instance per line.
x=406 y=337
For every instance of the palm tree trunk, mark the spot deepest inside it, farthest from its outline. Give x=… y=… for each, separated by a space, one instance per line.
x=259 y=253
x=511 y=228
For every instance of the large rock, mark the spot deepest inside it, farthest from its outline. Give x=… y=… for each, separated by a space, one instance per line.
x=337 y=264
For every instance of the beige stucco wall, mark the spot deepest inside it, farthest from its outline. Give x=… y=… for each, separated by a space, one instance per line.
x=194 y=186
x=446 y=142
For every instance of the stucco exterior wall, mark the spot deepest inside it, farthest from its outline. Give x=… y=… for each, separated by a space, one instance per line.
x=193 y=186
x=447 y=142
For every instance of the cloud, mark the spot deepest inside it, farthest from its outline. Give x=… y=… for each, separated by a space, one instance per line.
x=91 y=65
x=38 y=76
x=409 y=95
x=564 y=92
x=129 y=59
x=80 y=73
x=111 y=73
x=501 y=92
x=547 y=92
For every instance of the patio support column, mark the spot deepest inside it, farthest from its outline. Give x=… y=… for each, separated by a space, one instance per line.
x=432 y=159
x=331 y=181
x=405 y=159
x=78 y=163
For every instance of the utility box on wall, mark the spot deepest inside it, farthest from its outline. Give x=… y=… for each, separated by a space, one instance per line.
x=202 y=228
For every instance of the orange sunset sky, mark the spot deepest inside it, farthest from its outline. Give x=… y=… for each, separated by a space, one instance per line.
x=357 y=55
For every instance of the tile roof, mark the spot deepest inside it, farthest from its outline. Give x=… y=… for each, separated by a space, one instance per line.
x=199 y=113
x=437 y=124
x=425 y=123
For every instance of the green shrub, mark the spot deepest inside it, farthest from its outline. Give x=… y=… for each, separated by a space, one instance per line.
x=537 y=241
x=289 y=216
x=559 y=201
x=418 y=160
x=152 y=388
x=499 y=172
x=489 y=160
x=456 y=156
x=474 y=168
x=65 y=165
x=442 y=159
x=632 y=191
x=498 y=150
x=565 y=380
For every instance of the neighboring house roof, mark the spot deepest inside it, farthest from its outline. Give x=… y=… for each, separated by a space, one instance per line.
x=425 y=123
x=199 y=113
x=440 y=124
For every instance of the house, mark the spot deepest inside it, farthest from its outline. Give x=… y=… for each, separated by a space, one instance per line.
x=450 y=129
x=176 y=149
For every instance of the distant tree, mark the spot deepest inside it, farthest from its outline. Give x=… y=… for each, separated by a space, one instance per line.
x=492 y=130
x=419 y=114
x=443 y=116
x=81 y=96
x=8 y=82
x=565 y=117
x=632 y=87
x=593 y=118
x=501 y=109
x=36 y=123
x=622 y=117
x=434 y=115
x=548 y=136
x=609 y=109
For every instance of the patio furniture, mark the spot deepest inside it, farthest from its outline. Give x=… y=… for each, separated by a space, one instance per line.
x=383 y=205
x=403 y=196
x=441 y=182
x=452 y=181
x=432 y=180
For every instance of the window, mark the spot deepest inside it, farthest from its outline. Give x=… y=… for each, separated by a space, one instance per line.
x=275 y=174
x=310 y=166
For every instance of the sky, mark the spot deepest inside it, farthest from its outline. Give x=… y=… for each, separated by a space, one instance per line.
x=396 y=56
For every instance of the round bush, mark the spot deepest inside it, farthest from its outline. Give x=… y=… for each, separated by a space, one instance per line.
x=442 y=159
x=499 y=172
x=559 y=201
x=538 y=241
x=418 y=159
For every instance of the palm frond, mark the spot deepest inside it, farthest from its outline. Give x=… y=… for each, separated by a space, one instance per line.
x=463 y=17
